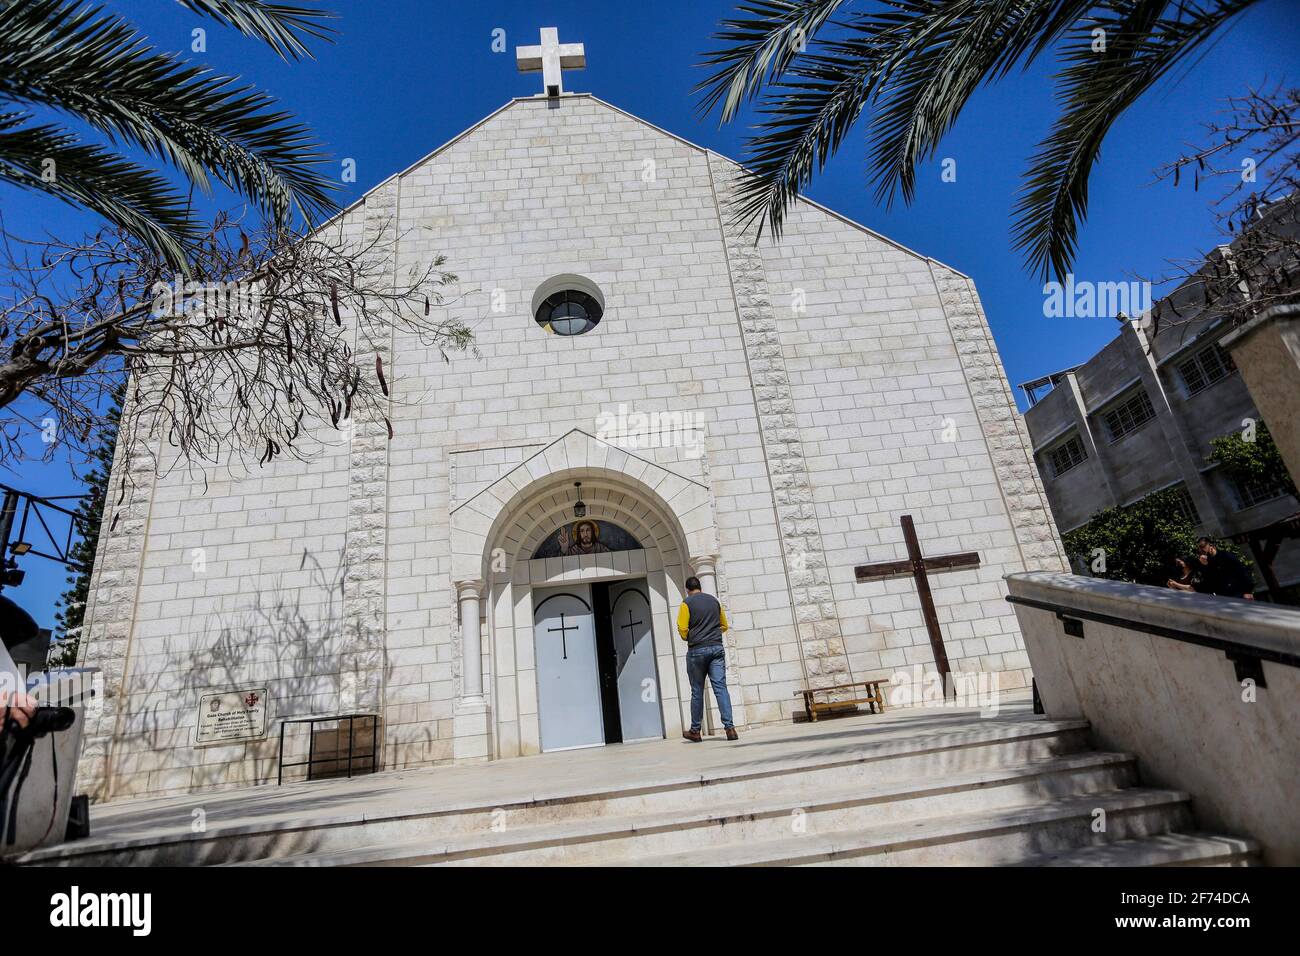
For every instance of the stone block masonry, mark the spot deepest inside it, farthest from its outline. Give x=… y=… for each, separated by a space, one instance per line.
x=807 y=578
x=818 y=373
x=1001 y=424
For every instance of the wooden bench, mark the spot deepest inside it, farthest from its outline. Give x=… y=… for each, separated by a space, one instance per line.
x=867 y=692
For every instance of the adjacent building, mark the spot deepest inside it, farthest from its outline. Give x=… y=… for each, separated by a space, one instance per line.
x=1139 y=416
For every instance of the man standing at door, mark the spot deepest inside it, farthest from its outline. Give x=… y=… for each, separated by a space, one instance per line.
x=701 y=623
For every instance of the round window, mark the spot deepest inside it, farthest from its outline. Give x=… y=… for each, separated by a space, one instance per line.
x=569 y=312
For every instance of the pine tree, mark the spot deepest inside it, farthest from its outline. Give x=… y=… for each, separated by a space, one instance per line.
x=89 y=515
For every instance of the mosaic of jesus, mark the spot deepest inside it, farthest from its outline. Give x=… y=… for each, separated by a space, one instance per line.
x=586 y=536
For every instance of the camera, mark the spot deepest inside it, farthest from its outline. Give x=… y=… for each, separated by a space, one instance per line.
x=45 y=720
x=50 y=720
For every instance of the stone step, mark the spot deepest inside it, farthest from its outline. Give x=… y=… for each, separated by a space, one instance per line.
x=1166 y=849
x=928 y=755
x=617 y=839
x=996 y=838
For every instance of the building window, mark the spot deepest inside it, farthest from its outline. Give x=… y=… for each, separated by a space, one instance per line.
x=1252 y=491
x=1066 y=455
x=569 y=313
x=1186 y=506
x=1211 y=364
x=568 y=305
x=1129 y=415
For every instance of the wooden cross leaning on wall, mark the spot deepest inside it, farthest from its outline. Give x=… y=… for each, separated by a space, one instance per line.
x=918 y=565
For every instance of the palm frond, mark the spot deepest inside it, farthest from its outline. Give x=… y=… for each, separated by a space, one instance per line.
x=50 y=160
x=914 y=65
x=820 y=101
x=95 y=67
x=759 y=49
x=1096 y=88
x=282 y=26
x=921 y=58
x=943 y=51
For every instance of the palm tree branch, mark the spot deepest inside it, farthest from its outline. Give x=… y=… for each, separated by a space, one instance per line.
x=97 y=68
x=883 y=54
x=1096 y=88
x=805 y=122
x=281 y=26
x=945 y=52
x=759 y=49
x=50 y=160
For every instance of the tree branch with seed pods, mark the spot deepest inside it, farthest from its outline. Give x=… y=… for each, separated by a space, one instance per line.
x=272 y=337
x=1255 y=145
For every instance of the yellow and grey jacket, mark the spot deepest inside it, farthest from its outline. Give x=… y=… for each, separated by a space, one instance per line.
x=701 y=620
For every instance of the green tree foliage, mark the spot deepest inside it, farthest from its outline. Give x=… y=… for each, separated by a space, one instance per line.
x=69 y=59
x=912 y=66
x=72 y=605
x=1137 y=542
x=1248 y=456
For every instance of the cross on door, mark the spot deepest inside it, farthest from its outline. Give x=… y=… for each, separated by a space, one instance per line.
x=917 y=565
x=564 y=640
x=628 y=627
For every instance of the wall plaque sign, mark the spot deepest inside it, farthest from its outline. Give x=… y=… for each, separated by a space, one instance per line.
x=238 y=715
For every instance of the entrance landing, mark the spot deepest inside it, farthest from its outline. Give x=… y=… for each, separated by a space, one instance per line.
x=909 y=786
x=123 y=825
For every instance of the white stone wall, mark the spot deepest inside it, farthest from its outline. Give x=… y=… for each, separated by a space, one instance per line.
x=237 y=585
x=903 y=409
x=536 y=192
x=819 y=429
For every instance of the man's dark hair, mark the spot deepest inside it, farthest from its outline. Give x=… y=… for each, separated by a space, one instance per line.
x=693 y=584
x=1204 y=540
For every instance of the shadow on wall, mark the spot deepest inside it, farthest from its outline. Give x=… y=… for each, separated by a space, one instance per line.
x=294 y=641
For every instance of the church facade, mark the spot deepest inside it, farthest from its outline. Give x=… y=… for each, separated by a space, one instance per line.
x=655 y=396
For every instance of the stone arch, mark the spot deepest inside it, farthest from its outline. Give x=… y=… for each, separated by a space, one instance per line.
x=484 y=520
x=605 y=500
x=669 y=514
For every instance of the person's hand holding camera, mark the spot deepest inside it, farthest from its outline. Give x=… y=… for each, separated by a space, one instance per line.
x=18 y=707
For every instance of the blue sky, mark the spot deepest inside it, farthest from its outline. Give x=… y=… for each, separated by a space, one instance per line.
x=404 y=76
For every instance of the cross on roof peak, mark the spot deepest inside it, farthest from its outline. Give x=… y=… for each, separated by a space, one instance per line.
x=551 y=58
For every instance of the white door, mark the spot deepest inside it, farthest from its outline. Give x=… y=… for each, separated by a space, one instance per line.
x=638 y=681
x=568 y=683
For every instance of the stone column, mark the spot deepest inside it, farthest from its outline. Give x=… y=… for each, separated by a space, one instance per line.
x=471 y=641
x=705 y=569
x=108 y=626
x=470 y=721
x=1001 y=425
x=365 y=583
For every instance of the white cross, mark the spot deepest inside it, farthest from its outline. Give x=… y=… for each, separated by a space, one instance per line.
x=551 y=59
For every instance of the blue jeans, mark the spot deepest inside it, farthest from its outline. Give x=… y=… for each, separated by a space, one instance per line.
x=710 y=661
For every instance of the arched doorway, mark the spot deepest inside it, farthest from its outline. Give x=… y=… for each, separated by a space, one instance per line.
x=635 y=665
x=497 y=537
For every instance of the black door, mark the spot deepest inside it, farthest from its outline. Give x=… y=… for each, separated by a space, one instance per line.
x=607 y=662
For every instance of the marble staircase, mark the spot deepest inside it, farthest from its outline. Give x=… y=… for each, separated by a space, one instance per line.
x=905 y=788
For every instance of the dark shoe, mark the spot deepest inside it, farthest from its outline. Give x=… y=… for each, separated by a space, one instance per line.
x=731 y=734
x=692 y=735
